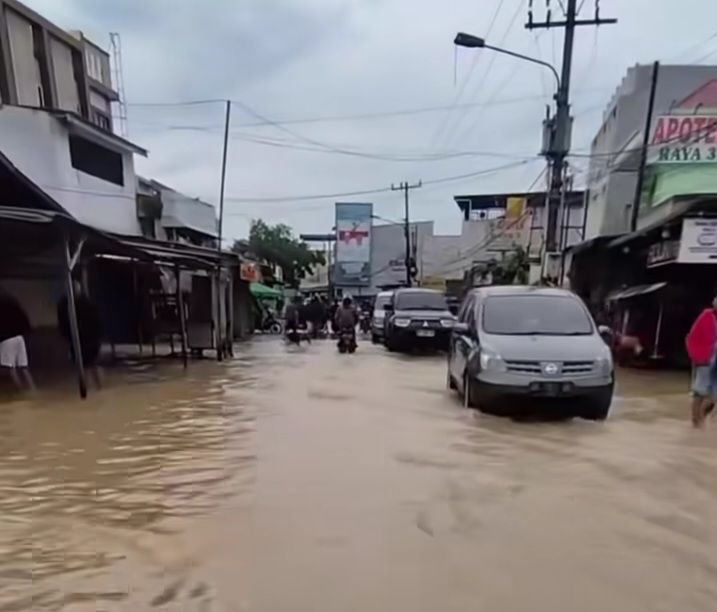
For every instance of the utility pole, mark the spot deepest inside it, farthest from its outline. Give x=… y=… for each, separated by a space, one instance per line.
x=558 y=127
x=635 y=212
x=219 y=340
x=405 y=187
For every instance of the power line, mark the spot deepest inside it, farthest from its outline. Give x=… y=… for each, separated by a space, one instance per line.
x=467 y=78
x=451 y=131
x=360 y=192
x=338 y=118
x=184 y=103
x=431 y=157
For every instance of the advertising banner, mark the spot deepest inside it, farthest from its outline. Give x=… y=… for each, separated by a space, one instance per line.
x=698 y=243
x=353 y=244
x=680 y=139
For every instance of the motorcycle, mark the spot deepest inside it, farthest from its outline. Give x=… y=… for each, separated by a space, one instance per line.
x=365 y=322
x=297 y=336
x=271 y=325
x=347 y=341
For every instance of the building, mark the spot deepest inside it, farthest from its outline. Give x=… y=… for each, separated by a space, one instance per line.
x=642 y=267
x=87 y=170
x=166 y=214
x=41 y=65
x=99 y=81
x=614 y=152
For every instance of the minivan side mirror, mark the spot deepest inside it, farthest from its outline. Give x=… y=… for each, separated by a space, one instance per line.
x=605 y=333
x=462 y=328
x=388 y=307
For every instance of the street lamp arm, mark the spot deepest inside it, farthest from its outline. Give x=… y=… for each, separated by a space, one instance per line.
x=527 y=58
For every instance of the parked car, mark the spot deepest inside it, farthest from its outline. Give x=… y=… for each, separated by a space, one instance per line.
x=379 y=315
x=417 y=318
x=530 y=341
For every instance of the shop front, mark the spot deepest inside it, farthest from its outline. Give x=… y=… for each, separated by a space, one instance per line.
x=676 y=277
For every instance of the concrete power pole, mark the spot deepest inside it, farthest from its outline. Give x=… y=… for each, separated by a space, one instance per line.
x=558 y=127
x=405 y=187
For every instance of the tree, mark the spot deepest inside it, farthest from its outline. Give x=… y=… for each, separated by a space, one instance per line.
x=277 y=245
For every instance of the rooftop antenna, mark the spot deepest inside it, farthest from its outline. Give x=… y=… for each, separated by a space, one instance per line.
x=118 y=79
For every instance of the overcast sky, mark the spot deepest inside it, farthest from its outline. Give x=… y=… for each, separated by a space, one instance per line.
x=310 y=59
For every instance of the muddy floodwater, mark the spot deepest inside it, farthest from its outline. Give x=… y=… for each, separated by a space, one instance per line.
x=298 y=480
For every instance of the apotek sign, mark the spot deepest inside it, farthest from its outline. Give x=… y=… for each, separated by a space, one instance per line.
x=684 y=139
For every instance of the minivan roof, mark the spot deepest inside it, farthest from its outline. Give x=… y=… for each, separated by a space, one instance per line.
x=522 y=290
x=416 y=290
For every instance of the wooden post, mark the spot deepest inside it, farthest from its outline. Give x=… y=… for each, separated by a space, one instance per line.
x=658 y=331
x=70 y=261
x=230 y=314
x=135 y=289
x=180 y=312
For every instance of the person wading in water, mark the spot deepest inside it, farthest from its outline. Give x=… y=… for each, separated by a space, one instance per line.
x=701 y=343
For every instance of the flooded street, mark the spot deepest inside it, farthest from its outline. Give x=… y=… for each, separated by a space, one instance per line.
x=300 y=480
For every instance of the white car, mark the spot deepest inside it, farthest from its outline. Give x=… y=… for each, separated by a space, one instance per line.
x=379 y=316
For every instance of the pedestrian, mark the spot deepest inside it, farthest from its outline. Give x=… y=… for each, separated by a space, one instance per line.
x=88 y=326
x=14 y=326
x=701 y=344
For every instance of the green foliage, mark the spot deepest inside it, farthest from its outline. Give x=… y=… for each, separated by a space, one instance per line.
x=277 y=245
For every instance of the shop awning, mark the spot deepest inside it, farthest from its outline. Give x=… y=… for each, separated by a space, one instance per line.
x=635 y=291
x=261 y=290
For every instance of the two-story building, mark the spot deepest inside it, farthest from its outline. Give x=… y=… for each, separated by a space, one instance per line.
x=649 y=264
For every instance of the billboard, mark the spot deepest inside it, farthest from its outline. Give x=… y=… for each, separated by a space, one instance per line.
x=353 y=244
x=684 y=139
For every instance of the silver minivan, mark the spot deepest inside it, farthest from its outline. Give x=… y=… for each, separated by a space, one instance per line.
x=530 y=341
x=378 y=317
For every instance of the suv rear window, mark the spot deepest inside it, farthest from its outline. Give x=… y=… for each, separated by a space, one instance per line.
x=550 y=315
x=420 y=300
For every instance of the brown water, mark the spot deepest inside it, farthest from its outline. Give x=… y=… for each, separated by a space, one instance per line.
x=298 y=480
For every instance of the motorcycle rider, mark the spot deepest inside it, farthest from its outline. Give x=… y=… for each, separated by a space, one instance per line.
x=293 y=316
x=346 y=317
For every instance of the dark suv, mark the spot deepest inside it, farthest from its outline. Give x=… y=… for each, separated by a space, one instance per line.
x=417 y=318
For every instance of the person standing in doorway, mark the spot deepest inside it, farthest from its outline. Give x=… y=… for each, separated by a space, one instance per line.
x=14 y=326
x=88 y=325
x=701 y=344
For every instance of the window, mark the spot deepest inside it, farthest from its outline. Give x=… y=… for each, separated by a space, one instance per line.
x=148 y=228
x=101 y=120
x=381 y=300
x=465 y=308
x=420 y=300
x=92 y=158
x=548 y=315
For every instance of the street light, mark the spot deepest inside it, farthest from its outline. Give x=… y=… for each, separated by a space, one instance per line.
x=474 y=42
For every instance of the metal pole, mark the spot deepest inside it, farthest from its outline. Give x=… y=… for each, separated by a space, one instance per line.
x=74 y=327
x=405 y=187
x=180 y=313
x=218 y=325
x=645 y=145
x=407 y=230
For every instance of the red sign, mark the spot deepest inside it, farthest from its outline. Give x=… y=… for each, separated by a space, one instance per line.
x=249 y=272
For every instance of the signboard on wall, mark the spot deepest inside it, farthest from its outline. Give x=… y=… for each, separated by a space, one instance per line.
x=249 y=271
x=353 y=244
x=509 y=233
x=662 y=252
x=688 y=139
x=698 y=243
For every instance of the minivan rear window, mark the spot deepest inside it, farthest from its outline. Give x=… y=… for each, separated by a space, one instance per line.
x=549 y=315
x=381 y=301
x=420 y=300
